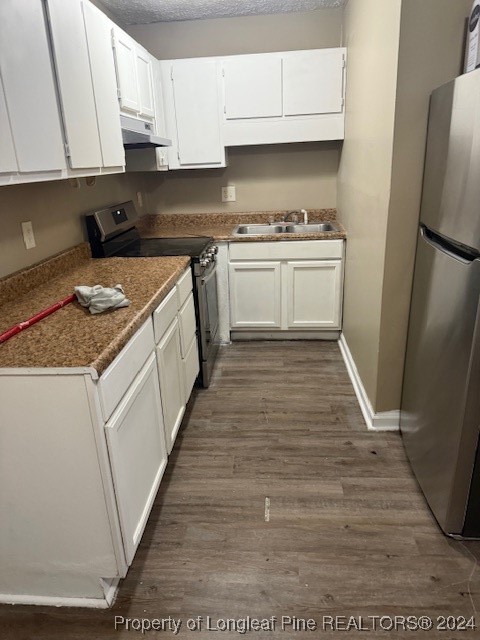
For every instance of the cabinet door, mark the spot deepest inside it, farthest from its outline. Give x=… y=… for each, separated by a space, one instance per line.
x=126 y=65
x=195 y=93
x=29 y=85
x=255 y=295
x=191 y=367
x=171 y=382
x=313 y=82
x=314 y=294
x=8 y=159
x=99 y=38
x=74 y=77
x=137 y=453
x=146 y=103
x=253 y=86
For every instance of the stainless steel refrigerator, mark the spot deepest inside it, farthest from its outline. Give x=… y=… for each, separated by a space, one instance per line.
x=440 y=414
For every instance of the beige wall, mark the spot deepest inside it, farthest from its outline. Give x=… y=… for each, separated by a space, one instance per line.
x=371 y=33
x=247 y=34
x=431 y=52
x=266 y=178
x=55 y=209
x=395 y=61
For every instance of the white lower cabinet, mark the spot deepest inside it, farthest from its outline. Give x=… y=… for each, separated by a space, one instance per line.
x=314 y=294
x=87 y=486
x=286 y=286
x=171 y=381
x=177 y=353
x=255 y=294
x=138 y=455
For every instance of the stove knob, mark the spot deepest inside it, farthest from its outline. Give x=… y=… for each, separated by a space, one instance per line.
x=215 y=249
x=203 y=262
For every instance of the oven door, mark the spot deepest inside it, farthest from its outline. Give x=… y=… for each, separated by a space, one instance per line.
x=208 y=312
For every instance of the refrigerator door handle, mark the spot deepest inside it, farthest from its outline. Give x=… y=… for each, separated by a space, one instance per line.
x=453 y=249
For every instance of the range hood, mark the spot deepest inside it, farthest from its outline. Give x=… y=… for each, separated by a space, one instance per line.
x=138 y=134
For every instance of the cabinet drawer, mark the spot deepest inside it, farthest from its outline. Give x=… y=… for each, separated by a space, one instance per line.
x=188 y=325
x=164 y=314
x=191 y=368
x=116 y=379
x=289 y=250
x=184 y=286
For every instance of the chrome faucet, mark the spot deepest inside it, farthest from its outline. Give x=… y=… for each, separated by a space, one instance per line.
x=292 y=213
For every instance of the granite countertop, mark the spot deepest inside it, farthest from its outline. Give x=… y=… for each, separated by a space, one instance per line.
x=220 y=226
x=73 y=337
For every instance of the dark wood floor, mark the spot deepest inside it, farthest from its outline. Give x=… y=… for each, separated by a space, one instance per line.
x=348 y=532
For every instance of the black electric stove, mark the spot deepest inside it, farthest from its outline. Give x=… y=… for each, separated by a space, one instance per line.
x=157 y=247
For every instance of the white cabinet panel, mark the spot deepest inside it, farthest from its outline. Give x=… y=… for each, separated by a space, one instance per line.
x=75 y=83
x=253 y=86
x=314 y=294
x=29 y=86
x=191 y=367
x=8 y=159
x=138 y=455
x=146 y=103
x=99 y=35
x=171 y=382
x=195 y=94
x=255 y=294
x=313 y=82
x=125 y=58
x=188 y=324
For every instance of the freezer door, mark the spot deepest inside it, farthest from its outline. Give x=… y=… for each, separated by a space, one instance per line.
x=441 y=403
x=451 y=190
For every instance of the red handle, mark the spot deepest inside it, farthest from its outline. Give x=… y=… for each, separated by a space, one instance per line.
x=6 y=335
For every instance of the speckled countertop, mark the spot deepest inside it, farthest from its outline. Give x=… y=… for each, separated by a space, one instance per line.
x=73 y=337
x=220 y=226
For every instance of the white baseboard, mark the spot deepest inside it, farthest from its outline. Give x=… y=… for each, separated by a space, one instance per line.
x=383 y=421
x=110 y=589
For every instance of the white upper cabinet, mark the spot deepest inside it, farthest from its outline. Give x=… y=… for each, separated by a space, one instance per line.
x=29 y=108
x=253 y=86
x=99 y=37
x=8 y=159
x=145 y=84
x=313 y=82
x=74 y=77
x=135 y=77
x=124 y=48
x=294 y=96
x=192 y=110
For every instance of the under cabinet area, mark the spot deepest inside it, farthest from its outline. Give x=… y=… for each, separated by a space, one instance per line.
x=286 y=286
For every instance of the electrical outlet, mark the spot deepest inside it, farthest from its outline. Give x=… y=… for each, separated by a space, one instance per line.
x=228 y=194
x=28 y=237
x=139 y=199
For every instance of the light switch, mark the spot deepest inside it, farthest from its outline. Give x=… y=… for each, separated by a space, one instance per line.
x=228 y=194
x=28 y=237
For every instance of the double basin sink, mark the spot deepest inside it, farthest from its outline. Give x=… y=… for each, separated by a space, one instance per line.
x=283 y=227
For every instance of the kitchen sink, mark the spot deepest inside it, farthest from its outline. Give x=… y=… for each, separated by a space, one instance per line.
x=272 y=229
x=258 y=229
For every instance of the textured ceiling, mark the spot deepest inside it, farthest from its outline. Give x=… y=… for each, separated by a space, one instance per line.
x=145 y=11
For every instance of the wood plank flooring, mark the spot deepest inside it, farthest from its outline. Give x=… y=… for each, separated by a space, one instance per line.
x=348 y=534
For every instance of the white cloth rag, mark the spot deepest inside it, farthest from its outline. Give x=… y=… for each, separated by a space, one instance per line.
x=99 y=298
